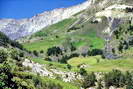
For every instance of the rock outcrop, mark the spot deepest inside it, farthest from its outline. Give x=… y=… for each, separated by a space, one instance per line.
x=19 y=28
x=51 y=73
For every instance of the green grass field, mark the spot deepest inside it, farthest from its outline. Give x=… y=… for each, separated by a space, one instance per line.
x=93 y=63
x=51 y=64
x=103 y=65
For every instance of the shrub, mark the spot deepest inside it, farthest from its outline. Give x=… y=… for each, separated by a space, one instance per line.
x=69 y=66
x=114 y=78
x=54 y=51
x=41 y=51
x=15 y=55
x=3 y=55
x=35 y=53
x=6 y=77
x=82 y=71
x=89 y=80
x=21 y=54
x=95 y=52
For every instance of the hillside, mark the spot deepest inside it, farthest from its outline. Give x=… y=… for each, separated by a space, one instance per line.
x=90 y=49
x=23 y=27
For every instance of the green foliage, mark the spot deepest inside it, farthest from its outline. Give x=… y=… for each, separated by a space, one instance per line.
x=95 y=52
x=35 y=53
x=15 y=54
x=6 y=77
x=89 y=80
x=3 y=55
x=4 y=40
x=22 y=80
x=124 y=35
x=41 y=51
x=69 y=66
x=54 y=51
x=118 y=79
x=44 y=82
x=82 y=71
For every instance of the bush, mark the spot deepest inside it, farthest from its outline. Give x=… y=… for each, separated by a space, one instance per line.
x=69 y=66
x=54 y=51
x=41 y=51
x=6 y=77
x=4 y=40
x=3 y=55
x=114 y=78
x=95 y=52
x=82 y=71
x=35 y=53
x=21 y=54
x=15 y=55
x=89 y=80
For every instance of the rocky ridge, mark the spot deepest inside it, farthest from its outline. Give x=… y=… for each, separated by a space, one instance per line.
x=19 y=28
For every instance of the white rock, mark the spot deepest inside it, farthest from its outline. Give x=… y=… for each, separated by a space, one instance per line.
x=112 y=87
x=20 y=28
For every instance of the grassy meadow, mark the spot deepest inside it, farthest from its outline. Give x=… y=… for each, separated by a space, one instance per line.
x=92 y=63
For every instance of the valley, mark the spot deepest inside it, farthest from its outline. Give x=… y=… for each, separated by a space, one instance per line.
x=91 y=48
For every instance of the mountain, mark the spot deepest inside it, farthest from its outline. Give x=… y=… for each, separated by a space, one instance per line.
x=19 y=28
x=93 y=28
x=92 y=49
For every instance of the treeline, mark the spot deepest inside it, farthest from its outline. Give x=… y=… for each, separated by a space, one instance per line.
x=62 y=54
x=5 y=41
x=114 y=78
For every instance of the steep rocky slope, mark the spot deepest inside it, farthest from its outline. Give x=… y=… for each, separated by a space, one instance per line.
x=20 y=28
x=93 y=28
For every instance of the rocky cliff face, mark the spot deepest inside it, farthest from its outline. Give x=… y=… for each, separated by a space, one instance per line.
x=19 y=28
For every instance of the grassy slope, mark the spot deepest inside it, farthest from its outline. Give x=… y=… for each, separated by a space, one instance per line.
x=50 y=40
x=46 y=80
x=104 y=65
x=85 y=36
x=64 y=84
x=51 y=64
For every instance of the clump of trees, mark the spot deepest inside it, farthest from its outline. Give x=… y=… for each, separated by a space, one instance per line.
x=5 y=41
x=54 y=51
x=114 y=78
x=61 y=53
x=124 y=35
x=118 y=79
x=89 y=80
x=129 y=10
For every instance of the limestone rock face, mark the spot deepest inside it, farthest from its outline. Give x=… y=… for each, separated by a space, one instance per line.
x=16 y=29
